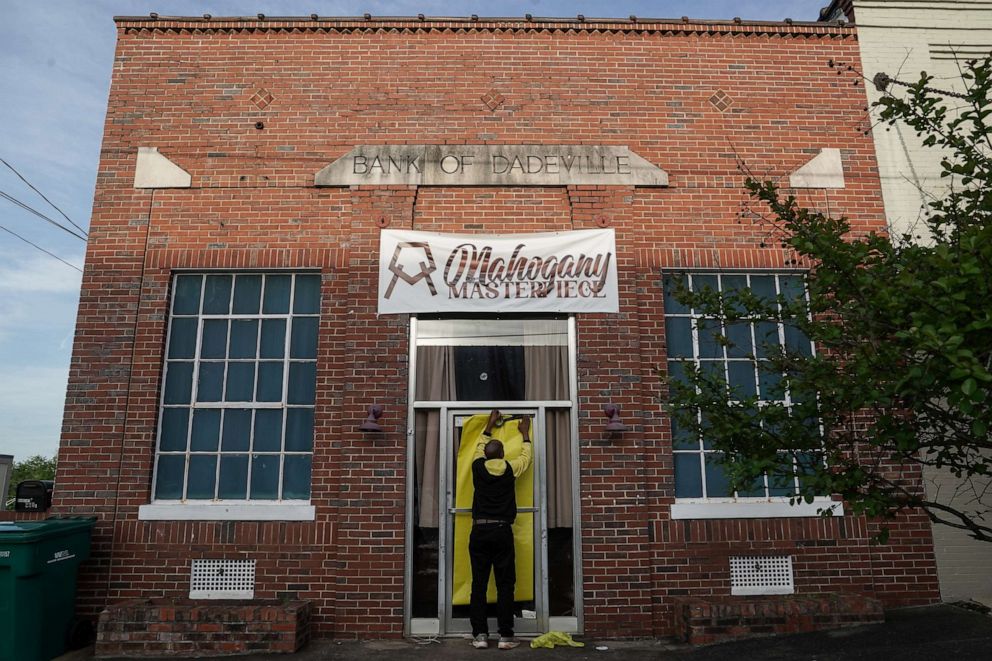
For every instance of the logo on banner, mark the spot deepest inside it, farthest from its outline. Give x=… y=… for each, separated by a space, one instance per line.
x=426 y=268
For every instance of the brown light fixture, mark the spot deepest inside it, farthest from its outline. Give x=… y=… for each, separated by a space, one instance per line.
x=612 y=411
x=371 y=423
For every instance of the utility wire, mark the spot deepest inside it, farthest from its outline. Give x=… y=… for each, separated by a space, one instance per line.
x=35 y=245
x=31 y=186
x=62 y=227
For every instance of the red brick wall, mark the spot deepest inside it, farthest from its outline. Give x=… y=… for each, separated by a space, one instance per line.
x=185 y=88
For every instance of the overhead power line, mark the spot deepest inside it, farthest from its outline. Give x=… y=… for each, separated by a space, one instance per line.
x=31 y=186
x=35 y=245
x=62 y=227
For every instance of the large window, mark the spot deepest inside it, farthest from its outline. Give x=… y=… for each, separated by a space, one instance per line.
x=239 y=388
x=737 y=352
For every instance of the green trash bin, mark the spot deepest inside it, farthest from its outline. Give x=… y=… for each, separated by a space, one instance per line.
x=38 y=565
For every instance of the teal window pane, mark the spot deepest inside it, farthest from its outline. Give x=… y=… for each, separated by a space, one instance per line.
x=268 y=430
x=237 y=430
x=187 y=297
x=678 y=333
x=717 y=482
x=233 y=477
x=210 y=385
x=240 y=382
x=214 y=344
x=169 y=478
x=276 y=300
x=217 y=294
x=796 y=341
x=712 y=369
x=682 y=438
x=708 y=332
x=306 y=299
x=807 y=464
x=765 y=338
x=182 y=338
x=740 y=376
x=269 y=387
x=175 y=423
x=244 y=338
x=178 y=382
x=783 y=482
x=202 y=477
x=303 y=342
x=206 y=430
x=672 y=306
x=299 y=430
x=247 y=293
x=732 y=287
x=677 y=372
x=754 y=490
x=264 y=476
x=706 y=281
x=273 y=344
x=771 y=384
x=792 y=287
x=763 y=286
x=739 y=340
x=302 y=383
x=688 y=476
x=296 y=478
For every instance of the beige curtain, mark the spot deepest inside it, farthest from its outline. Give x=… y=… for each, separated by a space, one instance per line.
x=435 y=380
x=546 y=370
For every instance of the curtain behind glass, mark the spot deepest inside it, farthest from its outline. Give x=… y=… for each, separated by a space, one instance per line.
x=546 y=377
x=435 y=381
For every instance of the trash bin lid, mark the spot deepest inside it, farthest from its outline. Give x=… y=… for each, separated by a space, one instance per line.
x=26 y=532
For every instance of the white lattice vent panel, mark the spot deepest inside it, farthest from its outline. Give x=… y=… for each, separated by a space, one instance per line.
x=222 y=579
x=761 y=574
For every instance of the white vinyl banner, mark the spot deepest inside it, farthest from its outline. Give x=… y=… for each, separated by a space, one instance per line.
x=553 y=272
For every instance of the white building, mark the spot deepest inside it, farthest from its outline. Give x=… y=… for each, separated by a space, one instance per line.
x=902 y=38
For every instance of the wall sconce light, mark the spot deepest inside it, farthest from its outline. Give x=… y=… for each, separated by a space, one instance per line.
x=612 y=411
x=372 y=422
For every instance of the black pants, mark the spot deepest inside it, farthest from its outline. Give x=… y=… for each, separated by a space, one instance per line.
x=490 y=546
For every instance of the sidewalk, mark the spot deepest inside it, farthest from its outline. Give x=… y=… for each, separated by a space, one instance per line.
x=941 y=632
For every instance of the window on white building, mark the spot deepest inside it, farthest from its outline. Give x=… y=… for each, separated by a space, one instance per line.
x=237 y=414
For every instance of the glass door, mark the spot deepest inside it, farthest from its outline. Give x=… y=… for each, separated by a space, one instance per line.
x=464 y=433
x=461 y=368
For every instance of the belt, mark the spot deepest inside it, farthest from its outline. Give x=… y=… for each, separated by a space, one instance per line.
x=478 y=522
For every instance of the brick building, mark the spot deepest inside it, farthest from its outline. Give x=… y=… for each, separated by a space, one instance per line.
x=259 y=182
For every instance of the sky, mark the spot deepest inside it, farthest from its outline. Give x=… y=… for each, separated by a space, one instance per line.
x=55 y=65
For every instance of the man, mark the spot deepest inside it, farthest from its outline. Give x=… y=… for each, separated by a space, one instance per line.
x=494 y=507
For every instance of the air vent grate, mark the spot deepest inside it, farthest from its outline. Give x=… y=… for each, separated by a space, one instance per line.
x=222 y=579
x=765 y=574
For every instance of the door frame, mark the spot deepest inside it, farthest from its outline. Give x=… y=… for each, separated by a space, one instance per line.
x=436 y=626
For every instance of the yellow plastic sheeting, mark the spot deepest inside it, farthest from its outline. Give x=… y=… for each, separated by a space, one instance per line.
x=523 y=527
x=552 y=638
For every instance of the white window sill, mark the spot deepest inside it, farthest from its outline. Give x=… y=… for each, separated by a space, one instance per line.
x=294 y=510
x=751 y=509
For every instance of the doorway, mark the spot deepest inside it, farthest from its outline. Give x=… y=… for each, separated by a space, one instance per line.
x=462 y=368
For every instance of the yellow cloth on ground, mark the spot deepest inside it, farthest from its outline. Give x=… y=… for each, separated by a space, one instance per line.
x=523 y=527
x=552 y=638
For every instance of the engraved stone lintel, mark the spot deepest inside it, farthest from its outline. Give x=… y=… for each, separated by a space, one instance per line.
x=491 y=165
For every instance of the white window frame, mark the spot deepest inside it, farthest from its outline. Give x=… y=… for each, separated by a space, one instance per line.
x=217 y=509
x=740 y=507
